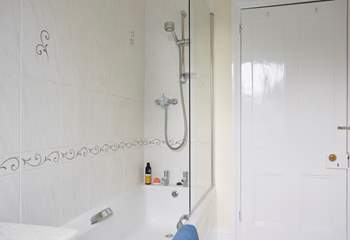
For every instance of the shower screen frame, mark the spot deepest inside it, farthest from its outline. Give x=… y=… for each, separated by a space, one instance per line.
x=194 y=205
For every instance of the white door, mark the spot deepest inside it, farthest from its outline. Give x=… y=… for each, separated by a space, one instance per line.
x=293 y=98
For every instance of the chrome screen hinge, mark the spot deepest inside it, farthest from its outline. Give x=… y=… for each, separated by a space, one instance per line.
x=240 y=28
x=348 y=159
x=240 y=216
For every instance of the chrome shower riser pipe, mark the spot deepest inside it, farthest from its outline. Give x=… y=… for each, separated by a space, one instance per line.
x=181 y=44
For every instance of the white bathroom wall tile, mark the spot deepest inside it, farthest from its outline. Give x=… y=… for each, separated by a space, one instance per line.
x=116 y=118
x=74 y=188
x=96 y=44
x=86 y=113
x=160 y=45
x=39 y=15
x=57 y=18
x=95 y=113
x=87 y=90
x=40 y=159
x=163 y=53
x=108 y=49
x=106 y=177
x=83 y=31
x=9 y=118
x=9 y=201
x=131 y=17
x=9 y=42
x=111 y=119
x=133 y=168
x=153 y=119
x=71 y=116
x=65 y=39
x=133 y=81
x=41 y=115
x=132 y=119
x=9 y=164
x=9 y=110
x=41 y=196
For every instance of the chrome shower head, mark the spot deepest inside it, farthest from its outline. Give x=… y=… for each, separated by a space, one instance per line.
x=169 y=26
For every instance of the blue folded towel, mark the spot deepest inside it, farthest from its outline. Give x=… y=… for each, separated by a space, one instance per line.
x=187 y=232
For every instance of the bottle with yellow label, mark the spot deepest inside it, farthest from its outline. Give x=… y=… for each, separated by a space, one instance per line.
x=148 y=174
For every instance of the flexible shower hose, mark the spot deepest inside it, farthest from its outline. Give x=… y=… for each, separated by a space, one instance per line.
x=183 y=141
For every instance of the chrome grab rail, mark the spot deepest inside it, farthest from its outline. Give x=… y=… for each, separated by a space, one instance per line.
x=180 y=222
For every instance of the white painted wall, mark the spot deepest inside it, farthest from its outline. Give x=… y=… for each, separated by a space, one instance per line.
x=224 y=161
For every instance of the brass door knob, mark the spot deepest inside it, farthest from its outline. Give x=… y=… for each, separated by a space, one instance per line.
x=332 y=157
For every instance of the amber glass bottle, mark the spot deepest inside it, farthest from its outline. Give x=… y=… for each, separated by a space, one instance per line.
x=148 y=174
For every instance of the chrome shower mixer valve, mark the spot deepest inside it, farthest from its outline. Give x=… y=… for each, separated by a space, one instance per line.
x=164 y=101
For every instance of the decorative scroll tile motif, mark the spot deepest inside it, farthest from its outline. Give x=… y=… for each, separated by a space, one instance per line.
x=42 y=46
x=12 y=163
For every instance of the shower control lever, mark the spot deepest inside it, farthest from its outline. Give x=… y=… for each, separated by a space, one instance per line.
x=172 y=101
x=164 y=101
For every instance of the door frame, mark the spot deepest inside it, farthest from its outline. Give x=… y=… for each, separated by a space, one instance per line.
x=236 y=9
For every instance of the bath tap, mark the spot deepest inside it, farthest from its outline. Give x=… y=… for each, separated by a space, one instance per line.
x=185 y=179
x=166 y=178
x=102 y=215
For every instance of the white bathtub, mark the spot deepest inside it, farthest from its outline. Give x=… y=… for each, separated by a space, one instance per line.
x=149 y=212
